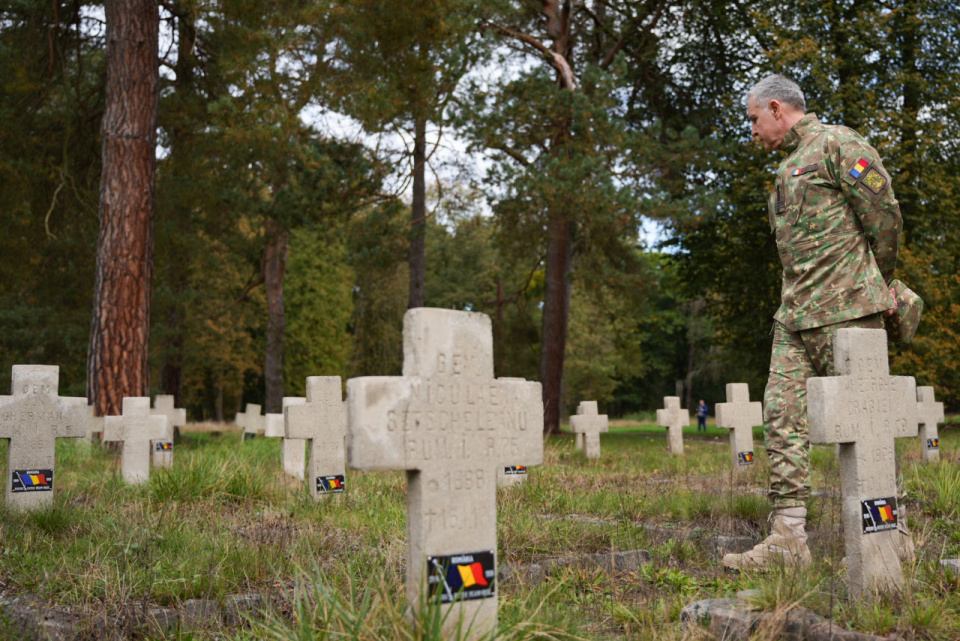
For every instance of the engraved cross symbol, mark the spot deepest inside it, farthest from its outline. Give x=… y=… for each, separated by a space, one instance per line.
x=33 y=418
x=739 y=416
x=929 y=414
x=136 y=428
x=450 y=424
x=864 y=409
x=674 y=419
x=322 y=422
x=587 y=424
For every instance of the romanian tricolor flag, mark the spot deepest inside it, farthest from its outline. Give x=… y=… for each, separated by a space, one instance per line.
x=748 y=457
x=33 y=480
x=886 y=513
x=335 y=484
x=859 y=167
x=472 y=575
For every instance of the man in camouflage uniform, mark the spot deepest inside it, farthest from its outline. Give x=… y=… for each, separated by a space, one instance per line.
x=837 y=225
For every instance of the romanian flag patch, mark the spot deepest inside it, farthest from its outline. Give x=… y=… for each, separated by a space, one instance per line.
x=933 y=443
x=745 y=458
x=862 y=164
x=515 y=469
x=330 y=484
x=879 y=515
x=461 y=577
x=32 y=481
x=164 y=446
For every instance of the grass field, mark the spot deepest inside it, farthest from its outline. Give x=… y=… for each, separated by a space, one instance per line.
x=224 y=521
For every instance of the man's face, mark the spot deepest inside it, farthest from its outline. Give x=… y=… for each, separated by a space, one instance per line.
x=765 y=125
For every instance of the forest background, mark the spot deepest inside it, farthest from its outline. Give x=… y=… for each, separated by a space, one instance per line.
x=592 y=119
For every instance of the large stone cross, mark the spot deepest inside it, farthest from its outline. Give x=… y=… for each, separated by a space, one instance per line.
x=137 y=427
x=163 y=449
x=739 y=416
x=864 y=409
x=674 y=419
x=292 y=449
x=252 y=421
x=929 y=414
x=450 y=424
x=33 y=418
x=322 y=422
x=587 y=425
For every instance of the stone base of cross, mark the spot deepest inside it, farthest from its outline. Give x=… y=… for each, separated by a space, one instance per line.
x=674 y=419
x=136 y=428
x=864 y=409
x=587 y=424
x=163 y=448
x=740 y=416
x=33 y=418
x=452 y=426
x=929 y=415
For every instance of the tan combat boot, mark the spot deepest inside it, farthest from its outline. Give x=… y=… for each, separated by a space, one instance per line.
x=786 y=545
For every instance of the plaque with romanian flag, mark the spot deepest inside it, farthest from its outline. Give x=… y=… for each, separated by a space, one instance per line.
x=745 y=458
x=879 y=515
x=330 y=484
x=461 y=577
x=32 y=481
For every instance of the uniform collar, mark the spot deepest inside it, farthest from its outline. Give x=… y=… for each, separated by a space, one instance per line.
x=792 y=140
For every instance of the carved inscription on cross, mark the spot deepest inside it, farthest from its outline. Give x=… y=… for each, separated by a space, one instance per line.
x=136 y=428
x=674 y=419
x=929 y=414
x=252 y=421
x=864 y=409
x=450 y=424
x=739 y=416
x=163 y=449
x=33 y=418
x=322 y=423
x=587 y=425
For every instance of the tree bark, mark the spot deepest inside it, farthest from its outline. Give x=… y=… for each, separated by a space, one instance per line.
x=556 y=314
x=274 y=267
x=120 y=325
x=418 y=217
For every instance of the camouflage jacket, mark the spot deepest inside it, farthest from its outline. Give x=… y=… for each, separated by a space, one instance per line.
x=837 y=225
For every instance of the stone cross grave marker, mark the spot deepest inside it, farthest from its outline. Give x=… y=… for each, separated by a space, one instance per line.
x=929 y=413
x=511 y=475
x=322 y=422
x=450 y=424
x=739 y=416
x=252 y=421
x=292 y=450
x=674 y=418
x=137 y=427
x=163 y=449
x=33 y=418
x=864 y=409
x=587 y=425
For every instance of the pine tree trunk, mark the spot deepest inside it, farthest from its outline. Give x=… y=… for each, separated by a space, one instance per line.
x=418 y=214
x=120 y=325
x=556 y=314
x=274 y=267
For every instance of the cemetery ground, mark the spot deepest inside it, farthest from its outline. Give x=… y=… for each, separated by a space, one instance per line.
x=221 y=545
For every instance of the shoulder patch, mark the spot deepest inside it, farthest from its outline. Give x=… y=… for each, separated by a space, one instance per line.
x=862 y=164
x=874 y=181
x=805 y=170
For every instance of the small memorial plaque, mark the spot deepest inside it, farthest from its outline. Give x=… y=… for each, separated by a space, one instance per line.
x=32 y=481
x=164 y=446
x=461 y=577
x=933 y=443
x=515 y=469
x=249 y=435
x=330 y=484
x=879 y=515
x=745 y=458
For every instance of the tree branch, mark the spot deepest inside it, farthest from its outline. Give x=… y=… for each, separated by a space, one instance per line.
x=559 y=63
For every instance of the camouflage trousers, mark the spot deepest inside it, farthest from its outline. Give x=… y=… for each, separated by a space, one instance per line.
x=796 y=356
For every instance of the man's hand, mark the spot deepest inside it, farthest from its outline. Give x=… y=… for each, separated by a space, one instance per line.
x=893 y=297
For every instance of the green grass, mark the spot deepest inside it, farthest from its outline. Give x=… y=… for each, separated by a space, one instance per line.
x=224 y=521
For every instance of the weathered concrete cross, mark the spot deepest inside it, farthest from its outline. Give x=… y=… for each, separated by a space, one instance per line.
x=33 y=418
x=587 y=425
x=865 y=409
x=252 y=421
x=929 y=414
x=292 y=450
x=163 y=449
x=322 y=423
x=739 y=416
x=674 y=419
x=450 y=424
x=136 y=428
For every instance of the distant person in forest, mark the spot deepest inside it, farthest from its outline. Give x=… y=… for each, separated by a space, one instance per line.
x=702 y=415
x=837 y=226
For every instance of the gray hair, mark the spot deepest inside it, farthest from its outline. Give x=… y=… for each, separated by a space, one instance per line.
x=777 y=87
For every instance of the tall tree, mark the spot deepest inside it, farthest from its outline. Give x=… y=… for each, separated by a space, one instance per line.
x=117 y=364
